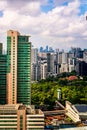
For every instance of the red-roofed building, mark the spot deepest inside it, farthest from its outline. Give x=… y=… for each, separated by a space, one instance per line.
x=70 y=78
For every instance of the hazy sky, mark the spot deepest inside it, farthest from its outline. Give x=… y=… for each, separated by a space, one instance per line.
x=56 y=23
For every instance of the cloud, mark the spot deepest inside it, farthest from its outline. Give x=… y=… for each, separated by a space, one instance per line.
x=60 y=27
x=3 y=4
x=60 y=2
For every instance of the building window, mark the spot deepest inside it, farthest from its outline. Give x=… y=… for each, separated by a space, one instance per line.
x=21 y=122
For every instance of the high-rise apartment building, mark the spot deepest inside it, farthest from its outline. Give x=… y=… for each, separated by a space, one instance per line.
x=50 y=63
x=34 y=55
x=16 y=113
x=18 y=68
x=34 y=63
x=64 y=58
x=43 y=70
x=60 y=57
x=81 y=68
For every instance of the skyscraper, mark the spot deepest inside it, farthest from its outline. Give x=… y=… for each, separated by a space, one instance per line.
x=34 y=55
x=3 y=67
x=64 y=58
x=18 y=68
x=0 y=48
x=16 y=113
x=50 y=63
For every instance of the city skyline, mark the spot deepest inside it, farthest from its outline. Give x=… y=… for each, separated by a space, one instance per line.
x=49 y=22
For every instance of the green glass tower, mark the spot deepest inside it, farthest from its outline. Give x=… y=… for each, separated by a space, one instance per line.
x=18 y=68
x=0 y=48
x=3 y=67
x=24 y=55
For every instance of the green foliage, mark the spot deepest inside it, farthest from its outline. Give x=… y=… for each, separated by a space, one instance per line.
x=73 y=72
x=85 y=78
x=45 y=92
x=62 y=82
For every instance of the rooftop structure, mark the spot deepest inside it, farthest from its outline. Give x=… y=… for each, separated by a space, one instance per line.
x=77 y=112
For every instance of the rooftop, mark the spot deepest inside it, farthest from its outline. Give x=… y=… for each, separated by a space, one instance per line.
x=81 y=107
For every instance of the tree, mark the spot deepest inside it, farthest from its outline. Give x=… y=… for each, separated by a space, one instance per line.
x=45 y=93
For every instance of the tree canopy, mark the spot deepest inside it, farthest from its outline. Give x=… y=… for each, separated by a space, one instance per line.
x=45 y=91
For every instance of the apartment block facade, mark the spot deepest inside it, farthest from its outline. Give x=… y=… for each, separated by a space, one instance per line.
x=20 y=117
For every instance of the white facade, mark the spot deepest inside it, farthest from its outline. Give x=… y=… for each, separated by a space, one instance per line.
x=42 y=54
x=34 y=55
x=64 y=68
x=64 y=58
x=72 y=112
x=35 y=121
x=34 y=66
x=71 y=68
x=43 y=70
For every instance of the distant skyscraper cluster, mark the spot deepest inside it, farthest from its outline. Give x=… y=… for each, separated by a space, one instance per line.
x=47 y=49
x=54 y=62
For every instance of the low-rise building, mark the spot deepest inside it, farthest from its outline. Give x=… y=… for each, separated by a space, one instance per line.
x=72 y=112
x=77 y=112
x=21 y=117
